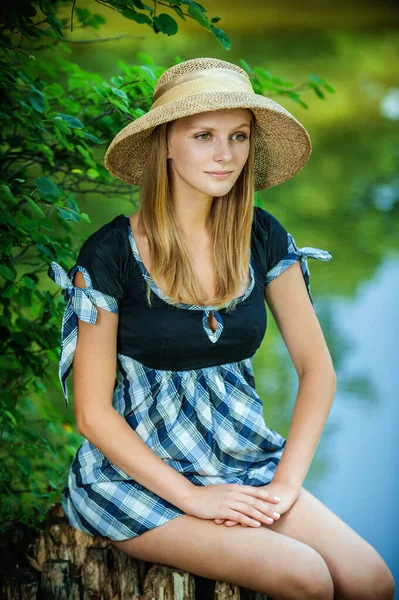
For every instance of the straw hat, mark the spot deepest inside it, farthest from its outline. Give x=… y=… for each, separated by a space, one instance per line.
x=282 y=144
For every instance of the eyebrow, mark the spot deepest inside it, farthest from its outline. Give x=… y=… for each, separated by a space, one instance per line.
x=212 y=129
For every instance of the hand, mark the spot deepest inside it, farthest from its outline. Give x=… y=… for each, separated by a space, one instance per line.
x=288 y=494
x=247 y=505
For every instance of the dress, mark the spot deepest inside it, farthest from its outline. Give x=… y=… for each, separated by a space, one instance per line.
x=188 y=392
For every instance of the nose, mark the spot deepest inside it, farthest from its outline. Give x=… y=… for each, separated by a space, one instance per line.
x=221 y=150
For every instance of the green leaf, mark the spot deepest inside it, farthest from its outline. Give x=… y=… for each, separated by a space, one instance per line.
x=9 y=290
x=199 y=16
x=73 y=208
x=147 y=73
x=139 y=4
x=7 y=248
x=131 y=14
x=245 y=66
x=11 y=417
x=28 y=282
x=61 y=125
x=141 y=18
x=47 y=152
x=179 y=11
x=73 y=122
x=47 y=188
x=66 y=215
x=137 y=112
x=120 y=93
x=315 y=78
x=145 y=58
x=222 y=37
x=92 y=138
x=85 y=217
x=317 y=91
x=55 y=90
x=281 y=82
x=123 y=107
x=55 y=25
x=93 y=173
x=37 y=100
x=7 y=273
x=24 y=77
x=263 y=74
x=166 y=24
x=82 y=151
x=35 y=207
x=8 y=193
x=328 y=87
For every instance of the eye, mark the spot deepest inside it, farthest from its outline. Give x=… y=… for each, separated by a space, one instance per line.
x=200 y=136
x=244 y=137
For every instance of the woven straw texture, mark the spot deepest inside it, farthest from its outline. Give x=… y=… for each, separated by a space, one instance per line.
x=282 y=144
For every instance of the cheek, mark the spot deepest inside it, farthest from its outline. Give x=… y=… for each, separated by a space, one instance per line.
x=242 y=153
x=191 y=156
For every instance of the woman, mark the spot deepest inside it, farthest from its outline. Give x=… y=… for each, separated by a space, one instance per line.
x=180 y=289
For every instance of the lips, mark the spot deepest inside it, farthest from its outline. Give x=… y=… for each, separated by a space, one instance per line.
x=218 y=172
x=221 y=176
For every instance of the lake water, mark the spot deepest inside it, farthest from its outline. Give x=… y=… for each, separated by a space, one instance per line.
x=356 y=465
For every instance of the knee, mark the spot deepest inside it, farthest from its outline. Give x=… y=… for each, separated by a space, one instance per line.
x=371 y=579
x=379 y=581
x=315 y=581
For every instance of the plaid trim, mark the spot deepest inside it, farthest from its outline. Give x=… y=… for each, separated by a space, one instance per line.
x=81 y=302
x=294 y=254
x=208 y=424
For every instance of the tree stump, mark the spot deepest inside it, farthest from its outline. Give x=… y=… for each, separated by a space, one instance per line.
x=62 y=563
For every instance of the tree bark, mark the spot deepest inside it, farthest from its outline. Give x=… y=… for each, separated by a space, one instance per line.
x=60 y=562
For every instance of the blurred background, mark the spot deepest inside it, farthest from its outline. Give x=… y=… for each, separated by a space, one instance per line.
x=345 y=200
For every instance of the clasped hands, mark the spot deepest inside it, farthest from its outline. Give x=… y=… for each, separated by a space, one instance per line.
x=280 y=498
x=234 y=504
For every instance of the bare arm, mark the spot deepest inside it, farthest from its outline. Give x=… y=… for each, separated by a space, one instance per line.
x=94 y=369
x=292 y=310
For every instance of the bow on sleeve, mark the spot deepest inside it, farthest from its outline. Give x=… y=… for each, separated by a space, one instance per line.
x=81 y=302
x=294 y=254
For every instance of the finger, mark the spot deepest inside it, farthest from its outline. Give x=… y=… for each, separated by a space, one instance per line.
x=235 y=523
x=241 y=517
x=258 y=507
x=260 y=493
x=253 y=513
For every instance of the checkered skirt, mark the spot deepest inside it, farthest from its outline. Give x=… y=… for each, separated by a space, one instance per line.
x=206 y=423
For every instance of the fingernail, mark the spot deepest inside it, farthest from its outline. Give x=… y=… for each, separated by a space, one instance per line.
x=276 y=498
x=276 y=515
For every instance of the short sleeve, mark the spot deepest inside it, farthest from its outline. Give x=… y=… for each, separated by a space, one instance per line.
x=100 y=261
x=277 y=250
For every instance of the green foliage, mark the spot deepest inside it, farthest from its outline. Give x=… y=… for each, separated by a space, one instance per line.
x=55 y=118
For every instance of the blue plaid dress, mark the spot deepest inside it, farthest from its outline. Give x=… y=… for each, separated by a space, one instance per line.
x=187 y=391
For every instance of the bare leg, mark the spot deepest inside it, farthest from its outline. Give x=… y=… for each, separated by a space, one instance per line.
x=258 y=559
x=357 y=570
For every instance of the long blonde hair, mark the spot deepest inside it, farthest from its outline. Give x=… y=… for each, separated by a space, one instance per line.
x=231 y=222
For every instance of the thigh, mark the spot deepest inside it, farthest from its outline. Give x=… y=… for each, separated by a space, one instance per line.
x=254 y=558
x=357 y=570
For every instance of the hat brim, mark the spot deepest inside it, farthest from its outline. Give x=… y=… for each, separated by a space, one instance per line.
x=282 y=145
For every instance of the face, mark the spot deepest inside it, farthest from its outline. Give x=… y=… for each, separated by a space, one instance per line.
x=207 y=142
